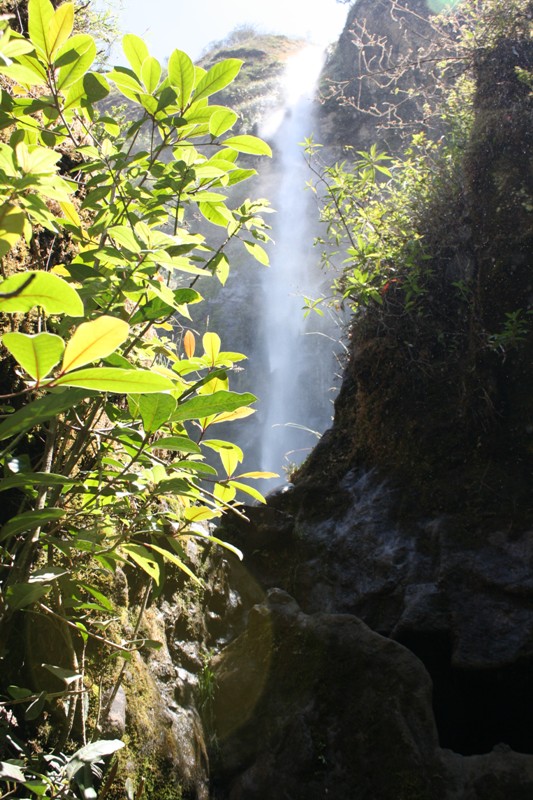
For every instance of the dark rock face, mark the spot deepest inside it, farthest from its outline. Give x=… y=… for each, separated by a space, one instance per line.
x=393 y=655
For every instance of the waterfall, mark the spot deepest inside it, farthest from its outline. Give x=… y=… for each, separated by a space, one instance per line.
x=297 y=357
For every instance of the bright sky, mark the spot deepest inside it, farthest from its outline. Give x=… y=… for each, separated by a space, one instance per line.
x=190 y=25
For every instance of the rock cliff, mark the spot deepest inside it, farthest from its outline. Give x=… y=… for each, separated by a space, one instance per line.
x=392 y=653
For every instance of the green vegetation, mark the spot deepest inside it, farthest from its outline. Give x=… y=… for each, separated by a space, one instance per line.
x=109 y=401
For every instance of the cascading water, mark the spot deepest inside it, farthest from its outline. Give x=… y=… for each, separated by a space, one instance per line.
x=299 y=358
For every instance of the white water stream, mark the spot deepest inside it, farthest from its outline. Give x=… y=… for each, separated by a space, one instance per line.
x=298 y=353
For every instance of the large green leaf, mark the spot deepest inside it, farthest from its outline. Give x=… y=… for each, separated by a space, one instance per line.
x=155 y=410
x=21 y=595
x=40 y=15
x=29 y=520
x=94 y=340
x=181 y=444
x=181 y=76
x=168 y=556
x=36 y=353
x=36 y=288
x=60 y=27
x=74 y=60
x=206 y=405
x=136 y=52
x=221 y=121
x=27 y=480
x=11 y=227
x=151 y=73
x=248 y=144
x=40 y=411
x=218 y=77
x=120 y=381
x=91 y=753
x=144 y=559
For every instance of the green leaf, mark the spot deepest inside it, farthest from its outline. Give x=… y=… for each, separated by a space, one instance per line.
x=37 y=353
x=21 y=595
x=40 y=15
x=258 y=252
x=74 y=60
x=221 y=543
x=248 y=144
x=11 y=227
x=28 y=74
x=91 y=753
x=251 y=490
x=35 y=709
x=47 y=574
x=143 y=559
x=29 y=520
x=40 y=411
x=181 y=76
x=136 y=52
x=216 y=213
x=66 y=675
x=94 y=340
x=26 y=480
x=221 y=121
x=168 y=556
x=37 y=288
x=180 y=443
x=60 y=27
x=126 y=82
x=206 y=405
x=155 y=410
x=151 y=73
x=120 y=381
x=218 y=77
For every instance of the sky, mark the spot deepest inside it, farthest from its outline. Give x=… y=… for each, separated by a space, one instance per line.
x=191 y=25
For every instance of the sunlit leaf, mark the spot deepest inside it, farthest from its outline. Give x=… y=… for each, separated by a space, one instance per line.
x=74 y=60
x=136 y=52
x=189 y=344
x=168 y=556
x=248 y=144
x=94 y=340
x=40 y=15
x=143 y=559
x=204 y=406
x=250 y=490
x=151 y=73
x=91 y=753
x=181 y=76
x=218 y=77
x=155 y=410
x=211 y=343
x=11 y=227
x=37 y=288
x=120 y=381
x=29 y=520
x=37 y=353
x=221 y=121
x=60 y=27
x=40 y=411
x=27 y=480
x=181 y=444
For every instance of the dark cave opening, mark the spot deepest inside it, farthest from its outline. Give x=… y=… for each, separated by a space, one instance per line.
x=476 y=709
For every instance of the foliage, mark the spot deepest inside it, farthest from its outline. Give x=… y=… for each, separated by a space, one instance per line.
x=107 y=426
x=408 y=64
x=378 y=208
